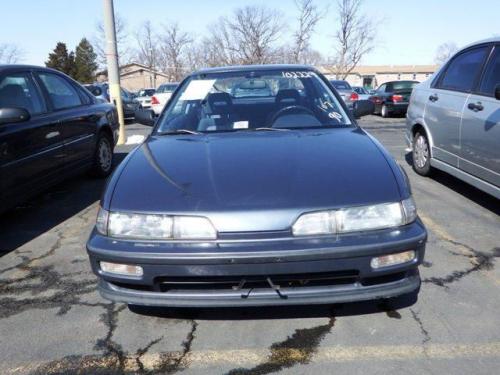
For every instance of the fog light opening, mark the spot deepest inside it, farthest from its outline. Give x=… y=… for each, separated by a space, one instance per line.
x=392 y=259
x=121 y=269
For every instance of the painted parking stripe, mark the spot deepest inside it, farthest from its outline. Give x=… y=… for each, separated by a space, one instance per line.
x=248 y=357
x=134 y=139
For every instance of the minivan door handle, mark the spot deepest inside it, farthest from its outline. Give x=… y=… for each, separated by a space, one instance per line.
x=433 y=98
x=476 y=107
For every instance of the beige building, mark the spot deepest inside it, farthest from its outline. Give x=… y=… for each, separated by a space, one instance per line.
x=134 y=77
x=372 y=76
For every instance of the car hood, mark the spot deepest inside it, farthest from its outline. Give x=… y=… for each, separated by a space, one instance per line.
x=254 y=181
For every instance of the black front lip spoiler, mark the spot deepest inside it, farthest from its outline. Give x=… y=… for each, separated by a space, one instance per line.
x=263 y=297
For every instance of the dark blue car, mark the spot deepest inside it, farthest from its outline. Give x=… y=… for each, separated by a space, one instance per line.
x=256 y=200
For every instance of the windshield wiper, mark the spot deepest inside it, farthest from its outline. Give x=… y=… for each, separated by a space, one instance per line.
x=179 y=131
x=273 y=129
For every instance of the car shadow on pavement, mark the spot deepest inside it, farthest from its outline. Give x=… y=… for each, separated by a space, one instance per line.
x=48 y=209
x=389 y=307
x=467 y=191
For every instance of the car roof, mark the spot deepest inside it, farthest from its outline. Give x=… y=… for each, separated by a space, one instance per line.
x=495 y=39
x=8 y=67
x=252 y=68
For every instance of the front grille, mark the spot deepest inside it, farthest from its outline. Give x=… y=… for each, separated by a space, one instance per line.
x=166 y=284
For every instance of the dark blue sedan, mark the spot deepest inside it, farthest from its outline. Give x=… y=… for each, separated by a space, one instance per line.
x=256 y=200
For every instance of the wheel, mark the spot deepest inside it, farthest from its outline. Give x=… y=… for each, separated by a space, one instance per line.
x=421 y=155
x=384 y=112
x=103 y=156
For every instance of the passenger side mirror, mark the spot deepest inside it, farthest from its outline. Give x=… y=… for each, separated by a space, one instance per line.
x=497 y=92
x=363 y=108
x=10 y=115
x=145 y=117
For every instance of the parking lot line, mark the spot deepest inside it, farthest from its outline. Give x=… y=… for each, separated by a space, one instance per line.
x=246 y=357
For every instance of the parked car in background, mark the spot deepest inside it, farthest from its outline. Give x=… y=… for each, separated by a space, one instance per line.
x=363 y=93
x=162 y=95
x=144 y=97
x=346 y=92
x=392 y=97
x=256 y=200
x=130 y=104
x=50 y=129
x=453 y=121
x=101 y=91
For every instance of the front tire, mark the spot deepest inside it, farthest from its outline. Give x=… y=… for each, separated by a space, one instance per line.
x=421 y=154
x=103 y=157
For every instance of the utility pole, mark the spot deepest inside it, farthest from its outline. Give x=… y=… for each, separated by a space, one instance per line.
x=113 y=69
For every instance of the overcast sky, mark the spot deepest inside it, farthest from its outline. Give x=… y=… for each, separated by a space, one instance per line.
x=409 y=33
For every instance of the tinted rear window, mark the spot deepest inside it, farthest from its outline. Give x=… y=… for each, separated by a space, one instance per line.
x=341 y=85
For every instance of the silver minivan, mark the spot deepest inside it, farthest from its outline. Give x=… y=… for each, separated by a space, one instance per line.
x=453 y=121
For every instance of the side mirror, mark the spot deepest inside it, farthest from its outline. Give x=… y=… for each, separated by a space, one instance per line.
x=14 y=114
x=145 y=117
x=363 y=108
x=497 y=92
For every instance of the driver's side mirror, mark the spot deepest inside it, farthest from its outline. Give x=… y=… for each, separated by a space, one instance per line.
x=497 y=92
x=14 y=114
x=145 y=117
x=363 y=108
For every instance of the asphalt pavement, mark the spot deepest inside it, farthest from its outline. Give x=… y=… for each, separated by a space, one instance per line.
x=53 y=321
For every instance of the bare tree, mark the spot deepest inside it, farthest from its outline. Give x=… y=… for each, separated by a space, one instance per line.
x=248 y=36
x=173 y=51
x=309 y=16
x=10 y=53
x=444 y=52
x=122 y=41
x=147 y=48
x=354 y=38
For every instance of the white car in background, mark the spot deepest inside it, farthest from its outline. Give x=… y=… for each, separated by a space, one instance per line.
x=162 y=95
x=144 y=97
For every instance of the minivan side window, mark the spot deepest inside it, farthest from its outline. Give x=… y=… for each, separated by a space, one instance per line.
x=491 y=76
x=461 y=73
x=19 y=90
x=61 y=93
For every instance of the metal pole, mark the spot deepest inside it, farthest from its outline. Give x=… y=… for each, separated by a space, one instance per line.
x=113 y=69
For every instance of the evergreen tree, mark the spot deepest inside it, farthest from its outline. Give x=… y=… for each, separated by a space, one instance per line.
x=85 y=62
x=61 y=60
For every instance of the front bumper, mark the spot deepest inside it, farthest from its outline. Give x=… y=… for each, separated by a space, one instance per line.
x=308 y=271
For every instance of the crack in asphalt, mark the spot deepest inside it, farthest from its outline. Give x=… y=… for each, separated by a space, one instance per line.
x=296 y=349
x=27 y=261
x=172 y=362
x=142 y=351
x=107 y=345
x=426 y=337
x=479 y=261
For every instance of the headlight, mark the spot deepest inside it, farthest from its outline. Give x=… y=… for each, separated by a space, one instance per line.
x=154 y=226
x=354 y=219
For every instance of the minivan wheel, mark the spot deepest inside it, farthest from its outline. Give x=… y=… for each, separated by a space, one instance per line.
x=384 y=112
x=103 y=157
x=421 y=154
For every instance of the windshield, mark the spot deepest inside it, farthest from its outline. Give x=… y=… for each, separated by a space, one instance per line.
x=146 y=92
x=404 y=85
x=253 y=100
x=167 y=88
